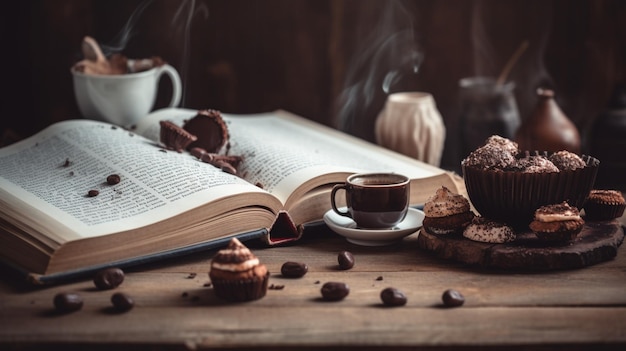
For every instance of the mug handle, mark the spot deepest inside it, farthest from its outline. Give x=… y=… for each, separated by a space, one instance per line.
x=333 y=193
x=176 y=83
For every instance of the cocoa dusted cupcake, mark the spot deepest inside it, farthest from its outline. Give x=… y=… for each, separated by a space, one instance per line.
x=533 y=164
x=602 y=205
x=557 y=222
x=210 y=128
x=567 y=161
x=174 y=137
x=237 y=275
x=447 y=213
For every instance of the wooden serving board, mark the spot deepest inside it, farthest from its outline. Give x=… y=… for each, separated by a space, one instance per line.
x=597 y=242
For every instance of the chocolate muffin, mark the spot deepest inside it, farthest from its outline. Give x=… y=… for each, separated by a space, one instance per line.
x=210 y=129
x=567 y=161
x=237 y=275
x=533 y=164
x=488 y=231
x=602 y=205
x=497 y=153
x=447 y=213
x=557 y=222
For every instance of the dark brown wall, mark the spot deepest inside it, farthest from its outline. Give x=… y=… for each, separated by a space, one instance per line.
x=246 y=56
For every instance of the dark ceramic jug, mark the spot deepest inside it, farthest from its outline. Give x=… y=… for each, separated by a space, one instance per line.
x=548 y=128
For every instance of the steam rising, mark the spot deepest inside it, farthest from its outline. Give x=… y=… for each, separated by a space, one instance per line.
x=387 y=56
x=120 y=42
x=181 y=28
x=182 y=24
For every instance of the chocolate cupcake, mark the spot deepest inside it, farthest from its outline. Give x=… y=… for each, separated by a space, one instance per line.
x=508 y=185
x=447 y=213
x=237 y=275
x=567 y=161
x=533 y=164
x=602 y=205
x=210 y=129
x=557 y=222
x=174 y=137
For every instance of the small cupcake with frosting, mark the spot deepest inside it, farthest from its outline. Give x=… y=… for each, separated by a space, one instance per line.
x=557 y=222
x=237 y=275
x=447 y=213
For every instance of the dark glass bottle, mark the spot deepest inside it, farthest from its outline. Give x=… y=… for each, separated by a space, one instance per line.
x=487 y=108
x=608 y=142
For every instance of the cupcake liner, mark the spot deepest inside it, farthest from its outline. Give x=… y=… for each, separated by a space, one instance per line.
x=512 y=197
x=241 y=290
x=604 y=212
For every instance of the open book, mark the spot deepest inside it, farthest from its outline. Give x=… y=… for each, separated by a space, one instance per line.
x=168 y=203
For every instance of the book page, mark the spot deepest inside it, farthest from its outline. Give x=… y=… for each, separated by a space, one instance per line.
x=55 y=170
x=282 y=151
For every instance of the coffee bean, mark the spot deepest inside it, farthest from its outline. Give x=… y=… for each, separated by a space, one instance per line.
x=109 y=278
x=393 y=297
x=294 y=269
x=68 y=302
x=113 y=179
x=93 y=193
x=122 y=302
x=346 y=260
x=335 y=291
x=452 y=298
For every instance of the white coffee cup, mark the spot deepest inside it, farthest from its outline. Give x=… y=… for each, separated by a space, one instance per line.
x=122 y=99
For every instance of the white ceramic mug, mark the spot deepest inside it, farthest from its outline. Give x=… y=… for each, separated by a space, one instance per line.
x=411 y=124
x=122 y=99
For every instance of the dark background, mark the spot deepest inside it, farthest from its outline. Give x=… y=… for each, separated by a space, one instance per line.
x=248 y=56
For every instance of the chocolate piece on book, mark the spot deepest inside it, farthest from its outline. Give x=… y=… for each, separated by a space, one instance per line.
x=175 y=137
x=210 y=129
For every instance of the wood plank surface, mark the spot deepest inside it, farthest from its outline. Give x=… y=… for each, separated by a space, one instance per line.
x=567 y=309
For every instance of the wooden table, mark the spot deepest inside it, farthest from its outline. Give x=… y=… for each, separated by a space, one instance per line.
x=565 y=310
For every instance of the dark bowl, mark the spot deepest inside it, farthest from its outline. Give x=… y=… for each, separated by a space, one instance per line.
x=512 y=197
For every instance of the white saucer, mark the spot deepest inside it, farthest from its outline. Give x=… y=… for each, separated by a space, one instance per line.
x=347 y=228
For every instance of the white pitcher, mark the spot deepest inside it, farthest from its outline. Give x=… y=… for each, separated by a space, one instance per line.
x=411 y=124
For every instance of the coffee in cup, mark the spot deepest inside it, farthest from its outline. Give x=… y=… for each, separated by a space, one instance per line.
x=374 y=200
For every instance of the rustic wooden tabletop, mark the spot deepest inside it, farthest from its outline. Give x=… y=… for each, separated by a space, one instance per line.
x=568 y=309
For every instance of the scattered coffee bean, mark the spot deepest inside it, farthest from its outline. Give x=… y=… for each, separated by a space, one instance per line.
x=276 y=287
x=93 y=193
x=346 y=260
x=393 y=297
x=452 y=298
x=191 y=275
x=294 y=269
x=68 y=302
x=207 y=284
x=113 y=179
x=379 y=278
x=109 y=278
x=122 y=302
x=335 y=291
